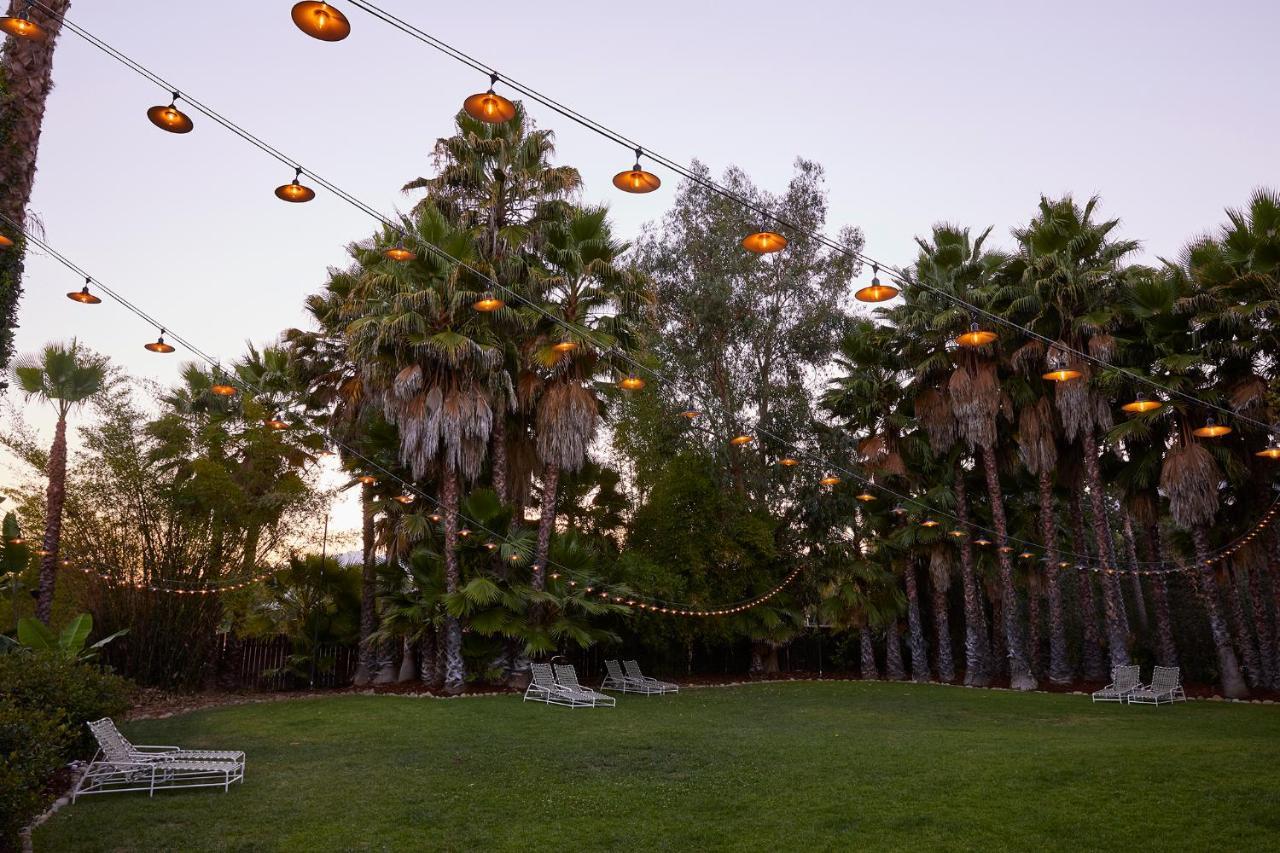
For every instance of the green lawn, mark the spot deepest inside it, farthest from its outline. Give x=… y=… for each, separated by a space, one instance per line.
x=837 y=765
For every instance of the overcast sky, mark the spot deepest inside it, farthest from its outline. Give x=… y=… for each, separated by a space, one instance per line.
x=919 y=111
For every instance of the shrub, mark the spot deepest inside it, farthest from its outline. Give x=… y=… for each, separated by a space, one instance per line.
x=33 y=745
x=71 y=693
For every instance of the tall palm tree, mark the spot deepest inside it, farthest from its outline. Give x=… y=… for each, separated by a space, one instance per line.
x=26 y=78
x=65 y=376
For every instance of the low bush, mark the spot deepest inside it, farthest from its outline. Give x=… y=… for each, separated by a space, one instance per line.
x=45 y=701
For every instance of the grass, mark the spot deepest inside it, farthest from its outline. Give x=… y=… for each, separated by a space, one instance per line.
x=834 y=765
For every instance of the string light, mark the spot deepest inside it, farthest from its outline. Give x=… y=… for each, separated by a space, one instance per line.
x=158 y=345
x=788 y=462
x=976 y=337
x=1141 y=405
x=488 y=303
x=83 y=296
x=876 y=292
x=1063 y=374
x=171 y=118
x=367 y=479
x=489 y=107
x=295 y=192
x=276 y=422
x=631 y=383
x=320 y=21
x=399 y=253
x=830 y=480
x=1211 y=430
x=741 y=440
x=690 y=414
x=764 y=242
x=636 y=180
x=564 y=347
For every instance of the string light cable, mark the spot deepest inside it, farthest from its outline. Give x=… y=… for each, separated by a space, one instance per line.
x=497 y=286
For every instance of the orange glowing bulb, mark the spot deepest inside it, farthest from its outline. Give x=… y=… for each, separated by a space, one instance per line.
x=1062 y=375
x=320 y=21
x=740 y=440
x=631 y=383
x=488 y=304
x=764 y=242
x=830 y=481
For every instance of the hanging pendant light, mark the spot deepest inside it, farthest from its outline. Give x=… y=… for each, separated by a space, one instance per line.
x=399 y=253
x=1005 y=549
x=866 y=497
x=5 y=242
x=488 y=303
x=1141 y=405
x=956 y=534
x=158 y=345
x=631 y=383
x=83 y=296
x=171 y=118
x=636 y=180
x=1212 y=430
x=929 y=522
x=21 y=26
x=404 y=499
x=436 y=517
x=982 y=542
x=788 y=462
x=489 y=107
x=1064 y=374
x=464 y=533
x=276 y=422
x=295 y=192
x=1026 y=555
x=320 y=21
x=899 y=509
x=1272 y=450
x=740 y=440
x=830 y=480
x=367 y=479
x=876 y=292
x=222 y=388
x=976 y=336
x=564 y=347
x=764 y=242
x=690 y=414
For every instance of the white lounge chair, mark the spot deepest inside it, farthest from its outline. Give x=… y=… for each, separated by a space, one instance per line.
x=567 y=676
x=543 y=688
x=1165 y=686
x=616 y=680
x=654 y=685
x=1124 y=680
x=120 y=765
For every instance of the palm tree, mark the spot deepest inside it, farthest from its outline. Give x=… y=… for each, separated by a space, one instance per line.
x=26 y=78
x=64 y=376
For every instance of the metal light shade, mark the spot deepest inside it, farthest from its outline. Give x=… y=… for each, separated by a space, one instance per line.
x=21 y=26
x=928 y=522
x=866 y=497
x=1027 y=555
x=636 y=180
x=739 y=440
x=564 y=346
x=631 y=383
x=788 y=462
x=1212 y=430
x=321 y=21
x=276 y=423
x=5 y=242
x=764 y=242
x=170 y=118
x=1062 y=375
x=295 y=192
x=404 y=499
x=435 y=516
x=830 y=481
x=958 y=534
x=367 y=479
x=983 y=542
x=16 y=540
x=400 y=253
x=690 y=414
x=976 y=337
x=876 y=292
x=83 y=296
x=464 y=532
x=1005 y=549
x=488 y=303
x=489 y=107
x=1142 y=404
x=158 y=345
x=1269 y=453
x=222 y=389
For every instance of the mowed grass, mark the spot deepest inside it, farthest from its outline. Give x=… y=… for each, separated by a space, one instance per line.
x=800 y=766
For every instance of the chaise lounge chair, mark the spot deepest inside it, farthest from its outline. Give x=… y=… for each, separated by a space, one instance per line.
x=567 y=676
x=653 y=684
x=543 y=688
x=120 y=765
x=1165 y=686
x=616 y=680
x=1124 y=680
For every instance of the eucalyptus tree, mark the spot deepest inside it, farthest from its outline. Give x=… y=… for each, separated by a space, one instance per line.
x=65 y=376
x=427 y=357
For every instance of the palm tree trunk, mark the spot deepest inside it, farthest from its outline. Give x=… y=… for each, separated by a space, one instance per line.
x=368 y=590
x=498 y=453
x=408 y=663
x=1060 y=671
x=427 y=653
x=1095 y=668
x=999 y=645
x=1033 y=623
x=919 y=650
x=455 y=671
x=55 y=499
x=26 y=78
x=870 y=671
x=1112 y=598
x=1253 y=672
x=893 y=668
x=1139 y=600
x=546 y=522
x=1266 y=647
x=977 y=652
x=1233 y=686
x=942 y=634
x=1166 y=648
x=1020 y=677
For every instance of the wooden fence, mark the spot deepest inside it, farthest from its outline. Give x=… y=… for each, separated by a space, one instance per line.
x=270 y=664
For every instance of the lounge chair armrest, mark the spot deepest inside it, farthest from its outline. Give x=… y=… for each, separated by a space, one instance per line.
x=149 y=747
